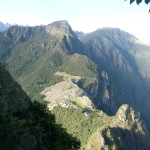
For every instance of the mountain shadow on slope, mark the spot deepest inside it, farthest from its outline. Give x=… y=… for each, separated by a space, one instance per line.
x=27 y=125
x=4 y=26
x=125 y=132
x=124 y=139
x=125 y=59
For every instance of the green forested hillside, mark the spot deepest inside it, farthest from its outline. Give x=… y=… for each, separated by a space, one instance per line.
x=96 y=130
x=79 y=124
x=12 y=97
x=33 y=55
x=30 y=125
x=26 y=125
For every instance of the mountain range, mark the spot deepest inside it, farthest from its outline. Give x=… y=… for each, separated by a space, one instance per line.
x=4 y=27
x=96 y=84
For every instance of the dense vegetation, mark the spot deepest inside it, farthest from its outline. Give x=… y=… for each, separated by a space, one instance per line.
x=26 y=125
x=96 y=130
x=33 y=57
x=80 y=123
x=34 y=54
x=34 y=128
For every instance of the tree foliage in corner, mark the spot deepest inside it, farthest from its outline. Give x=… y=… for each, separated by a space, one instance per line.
x=139 y=1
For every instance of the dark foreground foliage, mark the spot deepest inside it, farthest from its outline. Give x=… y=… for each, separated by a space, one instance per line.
x=139 y=1
x=34 y=128
x=26 y=125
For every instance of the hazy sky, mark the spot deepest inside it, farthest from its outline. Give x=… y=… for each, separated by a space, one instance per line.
x=82 y=15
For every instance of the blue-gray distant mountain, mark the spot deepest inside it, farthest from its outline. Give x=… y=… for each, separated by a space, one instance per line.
x=4 y=27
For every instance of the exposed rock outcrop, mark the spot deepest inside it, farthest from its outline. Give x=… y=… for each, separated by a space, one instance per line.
x=59 y=27
x=126 y=131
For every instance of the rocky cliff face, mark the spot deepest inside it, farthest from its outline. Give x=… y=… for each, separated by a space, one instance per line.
x=59 y=27
x=35 y=54
x=126 y=61
x=125 y=131
x=4 y=26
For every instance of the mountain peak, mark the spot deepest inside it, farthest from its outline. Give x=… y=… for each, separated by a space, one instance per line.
x=126 y=113
x=63 y=23
x=115 y=32
x=58 y=27
x=4 y=27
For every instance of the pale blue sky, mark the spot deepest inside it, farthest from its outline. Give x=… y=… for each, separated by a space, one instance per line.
x=83 y=15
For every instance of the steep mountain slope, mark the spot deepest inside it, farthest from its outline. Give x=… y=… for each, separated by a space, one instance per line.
x=126 y=61
x=26 y=125
x=96 y=130
x=124 y=132
x=49 y=60
x=35 y=54
x=12 y=97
